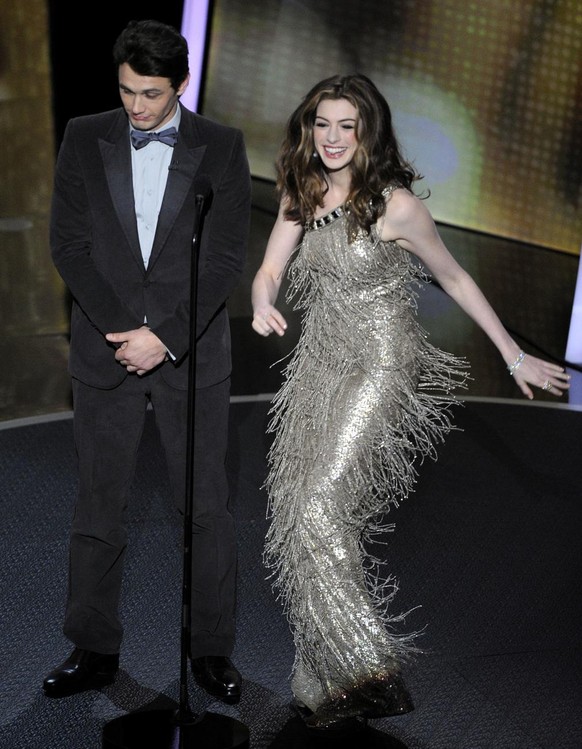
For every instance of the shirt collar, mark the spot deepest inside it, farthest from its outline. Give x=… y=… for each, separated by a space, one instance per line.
x=174 y=122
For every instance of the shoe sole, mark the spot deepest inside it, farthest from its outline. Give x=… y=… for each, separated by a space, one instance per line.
x=230 y=699
x=96 y=682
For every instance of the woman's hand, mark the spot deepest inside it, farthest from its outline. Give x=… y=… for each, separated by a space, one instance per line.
x=539 y=373
x=267 y=319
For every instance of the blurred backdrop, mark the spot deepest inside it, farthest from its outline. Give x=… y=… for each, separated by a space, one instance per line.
x=487 y=96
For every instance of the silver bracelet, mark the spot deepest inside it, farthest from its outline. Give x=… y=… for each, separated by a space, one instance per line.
x=512 y=367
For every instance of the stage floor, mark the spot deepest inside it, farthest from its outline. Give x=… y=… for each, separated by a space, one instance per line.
x=486 y=552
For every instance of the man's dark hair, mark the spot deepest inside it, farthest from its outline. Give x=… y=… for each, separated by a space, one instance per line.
x=154 y=49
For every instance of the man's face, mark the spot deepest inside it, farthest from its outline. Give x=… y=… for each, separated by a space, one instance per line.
x=149 y=101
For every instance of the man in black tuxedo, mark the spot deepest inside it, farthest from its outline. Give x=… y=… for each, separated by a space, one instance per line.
x=121 y=238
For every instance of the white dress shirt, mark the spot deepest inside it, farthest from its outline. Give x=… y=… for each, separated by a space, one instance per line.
x=149 y=167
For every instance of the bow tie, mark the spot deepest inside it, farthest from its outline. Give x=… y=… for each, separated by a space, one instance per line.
x=139 y=138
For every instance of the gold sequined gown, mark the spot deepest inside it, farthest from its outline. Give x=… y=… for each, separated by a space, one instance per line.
x=365 y=397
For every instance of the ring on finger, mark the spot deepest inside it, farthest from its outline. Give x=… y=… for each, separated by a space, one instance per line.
x=547 y=385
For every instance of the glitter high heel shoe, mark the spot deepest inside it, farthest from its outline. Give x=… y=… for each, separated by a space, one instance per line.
x=330 y=725
x=386 y=699
x=379 y=698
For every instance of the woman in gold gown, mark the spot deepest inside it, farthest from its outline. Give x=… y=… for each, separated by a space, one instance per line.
x=365 y=397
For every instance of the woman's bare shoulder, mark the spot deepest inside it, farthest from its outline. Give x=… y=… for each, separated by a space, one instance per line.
x=402 y=204
x=403 y=210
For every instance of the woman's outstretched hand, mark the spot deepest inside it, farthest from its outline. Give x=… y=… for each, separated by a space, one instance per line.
x=529 y=370
x=267 y=320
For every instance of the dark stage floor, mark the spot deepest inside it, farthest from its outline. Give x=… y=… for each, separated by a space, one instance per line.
x=486 y=551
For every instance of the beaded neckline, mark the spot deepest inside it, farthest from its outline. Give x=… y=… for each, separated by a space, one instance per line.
x=319 y=223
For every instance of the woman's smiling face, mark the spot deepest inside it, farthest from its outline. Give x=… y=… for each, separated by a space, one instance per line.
x=334 y=133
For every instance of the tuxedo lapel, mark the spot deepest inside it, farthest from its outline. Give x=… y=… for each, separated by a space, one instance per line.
x=188 y=154
x=180 y=178
x=116 y=155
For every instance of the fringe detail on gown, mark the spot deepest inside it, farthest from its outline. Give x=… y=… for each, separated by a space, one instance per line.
x=366 y=398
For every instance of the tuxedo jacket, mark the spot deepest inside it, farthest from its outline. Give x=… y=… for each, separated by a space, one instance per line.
x=95 y=245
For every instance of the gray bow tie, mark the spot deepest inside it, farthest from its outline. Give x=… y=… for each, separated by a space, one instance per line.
x=139 y=138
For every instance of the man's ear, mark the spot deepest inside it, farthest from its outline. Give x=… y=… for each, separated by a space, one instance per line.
x=184 y=85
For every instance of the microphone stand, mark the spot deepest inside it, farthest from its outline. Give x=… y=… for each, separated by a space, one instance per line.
x=185 y=715
x=181 y=728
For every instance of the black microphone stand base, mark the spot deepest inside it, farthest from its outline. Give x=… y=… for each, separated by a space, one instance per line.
x=161 y=729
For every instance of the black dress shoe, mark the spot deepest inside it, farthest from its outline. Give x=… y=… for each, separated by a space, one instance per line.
x=82 y=670
x=217 y=675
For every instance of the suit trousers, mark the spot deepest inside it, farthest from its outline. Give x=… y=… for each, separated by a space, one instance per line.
x=108 y=426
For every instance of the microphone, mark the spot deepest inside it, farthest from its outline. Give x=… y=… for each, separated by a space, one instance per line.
x=203 y=187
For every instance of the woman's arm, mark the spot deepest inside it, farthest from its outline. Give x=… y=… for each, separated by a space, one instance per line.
x=284 y=238
x=409 y=223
